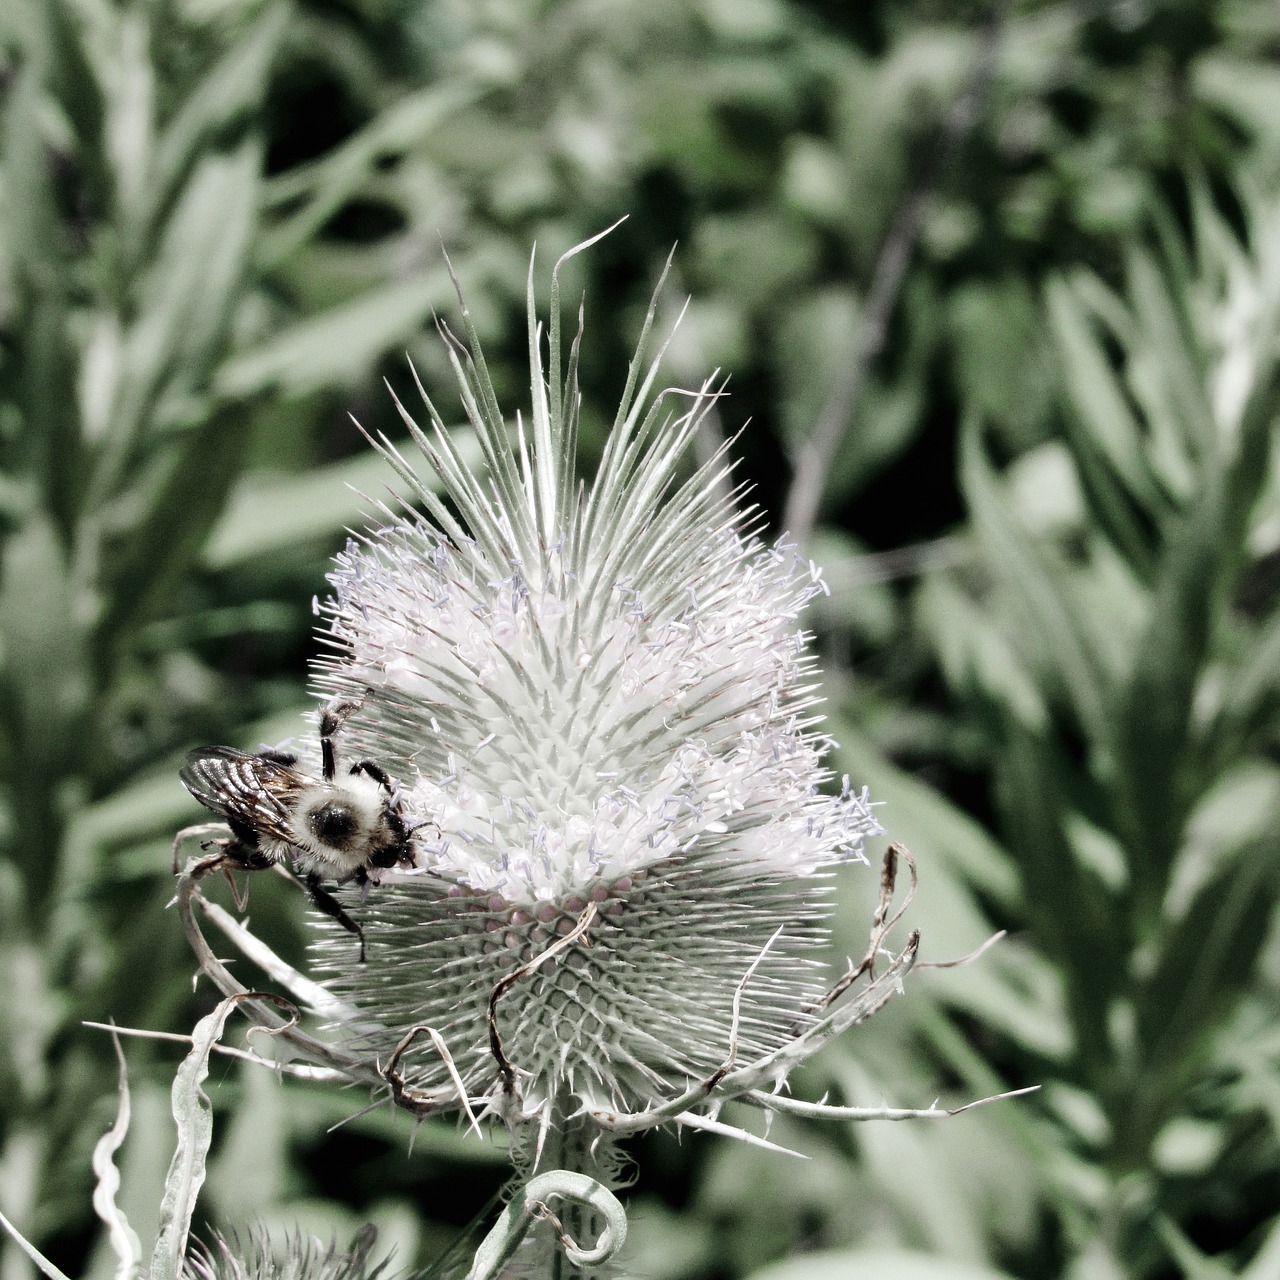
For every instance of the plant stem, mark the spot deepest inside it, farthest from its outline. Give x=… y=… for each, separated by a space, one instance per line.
x=578 y=1146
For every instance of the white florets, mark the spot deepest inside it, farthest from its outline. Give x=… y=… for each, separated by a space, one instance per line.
x=556 y=738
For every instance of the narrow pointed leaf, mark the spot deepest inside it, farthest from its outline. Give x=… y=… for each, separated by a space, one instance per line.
x=1154 y=713
x=1101 y=406
x=231 y=89
x=180 y=513
x=1075 y=917
x=337 y=347
x=1070 y=668
x=193 y=1114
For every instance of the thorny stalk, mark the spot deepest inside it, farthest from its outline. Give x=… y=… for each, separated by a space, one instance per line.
x=188 y=897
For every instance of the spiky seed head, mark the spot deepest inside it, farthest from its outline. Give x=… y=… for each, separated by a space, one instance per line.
x=590 y=694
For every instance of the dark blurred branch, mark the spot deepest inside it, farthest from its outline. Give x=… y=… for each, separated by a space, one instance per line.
x=814 y=457
x=897 y=563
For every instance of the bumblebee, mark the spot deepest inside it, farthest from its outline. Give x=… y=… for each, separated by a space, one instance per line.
x=340 y=826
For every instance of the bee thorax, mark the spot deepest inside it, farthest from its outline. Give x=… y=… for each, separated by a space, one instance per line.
x=335 y=824
x=338 y=828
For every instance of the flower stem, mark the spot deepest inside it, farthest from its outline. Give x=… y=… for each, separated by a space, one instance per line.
x=576 y=1146
x=533 y=1206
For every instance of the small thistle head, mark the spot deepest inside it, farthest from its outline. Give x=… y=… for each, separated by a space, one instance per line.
x=297 y=1257
x=599 y=706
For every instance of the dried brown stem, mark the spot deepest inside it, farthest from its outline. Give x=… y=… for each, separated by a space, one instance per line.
x=419 y=1101
x=503 y=985
x=881 y=922
x=980 y=950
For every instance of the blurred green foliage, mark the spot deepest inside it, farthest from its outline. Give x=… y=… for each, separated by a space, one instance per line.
x=1052 y=530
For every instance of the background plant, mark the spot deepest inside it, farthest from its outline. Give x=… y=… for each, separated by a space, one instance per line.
x=220 y=224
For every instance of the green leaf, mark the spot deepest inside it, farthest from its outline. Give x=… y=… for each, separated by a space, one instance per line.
x=1248 y=470
x=157 y=804
x=1105 y=438
x=20 y=23
x=1250 y=699
x=1193 y=1264
x=44 y=692
x=203 y=258
x=976 y=653
x=271 y=511
x=923 y=819
x=338 y=347
x=1153 y=719
x=877 y=1264
x=51 y=416
x=231 y=89
x=1105 y=424
x=153 y=805
x=1073 y=913
x=1067 y=665
x=816 y=331
x=36 y=377
x=1243 y=88
x=1266 y=1262
x=250 y=1169
x=119 y=42
x=143 y=576
x=345 y=172
x=73 y=77
x=188 y=301
x=1206 y=962
x=782 y=252
x=1169 y=374
x=1240 y=806
x=960 y=869
x=1001 y=356
x=31 y=225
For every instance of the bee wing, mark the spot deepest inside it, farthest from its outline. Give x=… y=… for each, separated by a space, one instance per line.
x=245 y=788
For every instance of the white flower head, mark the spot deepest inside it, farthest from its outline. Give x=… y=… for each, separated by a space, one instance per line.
x=599 y=706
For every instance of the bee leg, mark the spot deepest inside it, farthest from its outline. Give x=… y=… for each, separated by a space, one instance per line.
x=398 y=822
x=365 y=881
x=374 y=771
x=238 y=857
x=331 y=720
x=239 y=896
x=326 y=902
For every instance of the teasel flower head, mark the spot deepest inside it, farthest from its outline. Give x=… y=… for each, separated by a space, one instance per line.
x=600 y=709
